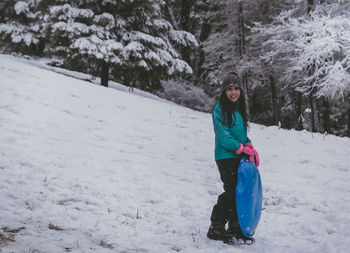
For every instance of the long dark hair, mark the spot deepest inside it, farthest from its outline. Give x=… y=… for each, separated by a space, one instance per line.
x=228 y=108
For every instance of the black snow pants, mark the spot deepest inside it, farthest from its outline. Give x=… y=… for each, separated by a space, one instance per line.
x=225 y=208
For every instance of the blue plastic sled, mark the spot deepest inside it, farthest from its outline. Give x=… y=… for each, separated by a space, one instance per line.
x=248 y=197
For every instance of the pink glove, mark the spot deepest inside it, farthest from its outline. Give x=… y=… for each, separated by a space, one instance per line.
x=256 y=155
x=246 y=151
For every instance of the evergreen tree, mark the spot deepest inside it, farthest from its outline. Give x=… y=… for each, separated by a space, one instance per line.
x=131 y=36
x=19 y=27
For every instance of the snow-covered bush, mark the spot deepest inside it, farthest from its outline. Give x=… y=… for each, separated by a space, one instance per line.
x=187 y=95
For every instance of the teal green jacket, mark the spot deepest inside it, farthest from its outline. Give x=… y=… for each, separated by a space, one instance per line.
x=227 y=139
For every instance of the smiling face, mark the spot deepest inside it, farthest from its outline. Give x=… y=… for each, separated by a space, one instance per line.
x=233 y=93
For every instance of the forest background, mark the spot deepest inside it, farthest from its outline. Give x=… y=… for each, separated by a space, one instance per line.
x=293 y=55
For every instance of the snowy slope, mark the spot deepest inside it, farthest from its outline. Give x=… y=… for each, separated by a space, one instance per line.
x=118 y=172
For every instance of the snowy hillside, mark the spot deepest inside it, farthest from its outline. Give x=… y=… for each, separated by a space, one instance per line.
x=90 y=169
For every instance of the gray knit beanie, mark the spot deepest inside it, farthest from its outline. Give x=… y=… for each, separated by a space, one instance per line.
x=232 y=79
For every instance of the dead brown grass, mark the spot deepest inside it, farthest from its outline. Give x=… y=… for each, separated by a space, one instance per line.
x=8 y=234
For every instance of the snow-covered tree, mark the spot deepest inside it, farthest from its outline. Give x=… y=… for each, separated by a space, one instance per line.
x=269 y=103
x=19 y=29
x=130 y=37
x=226 y=47
x=81 y=36
x=152 y=45
x=316 y=50
x=311 y=51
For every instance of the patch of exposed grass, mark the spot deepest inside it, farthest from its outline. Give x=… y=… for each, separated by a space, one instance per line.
x=54 y=227
x=8 y=234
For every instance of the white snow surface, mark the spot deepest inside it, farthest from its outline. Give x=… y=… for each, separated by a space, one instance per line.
x=119 y=172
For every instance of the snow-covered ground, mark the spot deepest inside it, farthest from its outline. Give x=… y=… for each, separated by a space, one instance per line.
x=119 y=172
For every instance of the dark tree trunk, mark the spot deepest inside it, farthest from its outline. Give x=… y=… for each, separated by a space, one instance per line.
x=349 y=121
x=265 y=8
x=241 y=41
x=274 y=99
x=310 y=5
x=245 y=81
x=205 y=31
x=186 y=6
x=247 y=92
x=199 y=52
x=104 y=73
x=172 y=16
x=313 y=127
x=299 y=110
x=314 y=113
x=326 y=112
x=197 y=65
x=241 y=47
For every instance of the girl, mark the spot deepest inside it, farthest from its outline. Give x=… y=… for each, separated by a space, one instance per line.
x=230 y=119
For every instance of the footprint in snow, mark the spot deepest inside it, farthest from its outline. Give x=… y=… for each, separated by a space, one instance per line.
x=303 y=161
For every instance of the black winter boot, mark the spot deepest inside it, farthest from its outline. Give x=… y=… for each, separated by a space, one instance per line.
x=217 y=231
x=234 y=230
x=234 y=234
